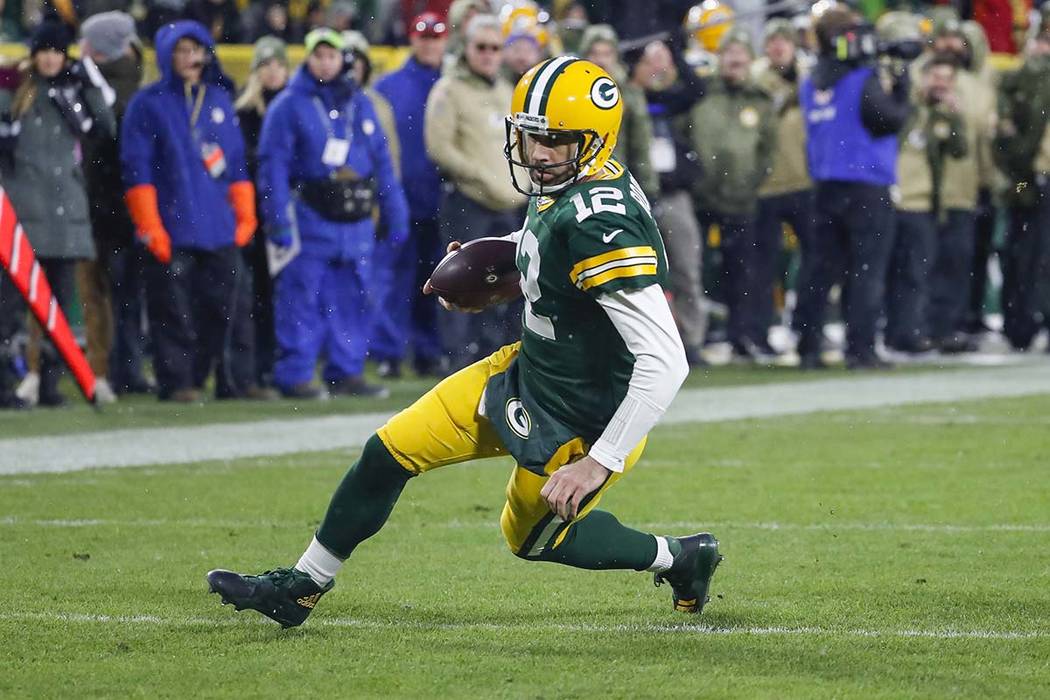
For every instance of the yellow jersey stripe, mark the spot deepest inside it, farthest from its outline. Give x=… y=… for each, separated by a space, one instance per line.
x=626 y=262
x=619 y=254
x=617 y=273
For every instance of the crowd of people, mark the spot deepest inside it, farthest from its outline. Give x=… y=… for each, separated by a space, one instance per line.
x=250 y=234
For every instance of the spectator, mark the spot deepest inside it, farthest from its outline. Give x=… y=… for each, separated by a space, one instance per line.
x=676 y=164
x=950 y=275
x=465 y=134
x=111 y=287
x=321 y=139
x=521 y=51
x=59 y=109
x=935 y=134
x=734 y=133
x=460 y=12
x=786 y=197
x=222 y=18
x=253 y=337
x=271 y=19
x=12 y=314
x=990 y=180
x=853 y=114
x=601 y=46
x=571 y=28
x=1022 y=148
x=192 y=204
x=410 y=318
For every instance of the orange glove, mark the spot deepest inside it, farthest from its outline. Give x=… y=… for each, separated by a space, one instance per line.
x=142 y=205
x=242 y=199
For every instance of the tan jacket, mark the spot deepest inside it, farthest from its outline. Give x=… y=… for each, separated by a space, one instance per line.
x=465 y=133
x=385 y=115
x=790 y=168
x=963 y=177
x=914 y=189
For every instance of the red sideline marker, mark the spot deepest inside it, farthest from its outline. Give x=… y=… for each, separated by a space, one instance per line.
x=18 y=258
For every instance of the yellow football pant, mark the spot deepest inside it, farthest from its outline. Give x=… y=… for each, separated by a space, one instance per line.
x=443 y=427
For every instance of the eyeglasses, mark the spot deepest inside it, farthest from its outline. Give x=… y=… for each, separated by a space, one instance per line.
x=487 y=47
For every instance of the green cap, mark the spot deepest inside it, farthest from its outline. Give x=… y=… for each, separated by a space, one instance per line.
x=323 y=35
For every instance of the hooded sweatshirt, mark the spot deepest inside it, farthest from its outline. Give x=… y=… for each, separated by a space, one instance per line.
x=159 y=147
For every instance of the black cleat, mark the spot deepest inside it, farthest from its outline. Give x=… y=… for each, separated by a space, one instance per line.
x=690 y=575
x=285 y=595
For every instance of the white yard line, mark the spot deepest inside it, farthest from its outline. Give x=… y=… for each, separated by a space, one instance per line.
x=223 y=620
x=176 y=523
x=181 y=445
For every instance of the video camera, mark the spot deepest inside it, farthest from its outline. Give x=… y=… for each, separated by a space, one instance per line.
x=861 y=44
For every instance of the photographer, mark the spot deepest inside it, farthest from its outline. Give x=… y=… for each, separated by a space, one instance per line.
x=324 y=165
x=853 y=111
x=53 y=113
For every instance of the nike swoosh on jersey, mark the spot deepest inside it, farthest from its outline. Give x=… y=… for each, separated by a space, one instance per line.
x=608 y=237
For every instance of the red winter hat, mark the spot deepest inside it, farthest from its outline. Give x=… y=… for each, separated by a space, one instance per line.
x=428 y=24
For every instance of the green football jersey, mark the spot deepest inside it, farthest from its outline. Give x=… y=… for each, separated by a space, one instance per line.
x=594 y=238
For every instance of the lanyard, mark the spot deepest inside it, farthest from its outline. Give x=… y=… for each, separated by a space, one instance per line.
x=195 y=107
x=327 y=118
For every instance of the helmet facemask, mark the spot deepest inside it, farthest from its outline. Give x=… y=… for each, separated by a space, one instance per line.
x=525 y=132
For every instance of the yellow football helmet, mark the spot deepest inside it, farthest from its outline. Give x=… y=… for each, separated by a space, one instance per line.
x=561 y=101
x=525 y=17
x=708 y=22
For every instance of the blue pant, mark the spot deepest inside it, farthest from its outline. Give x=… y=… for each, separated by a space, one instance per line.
x=321 y=307
x=908 y=279
x=950 y=276
x=403 y=316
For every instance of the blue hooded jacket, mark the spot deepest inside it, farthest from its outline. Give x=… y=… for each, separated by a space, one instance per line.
x=158 y=147
x=407 y=90
x=291 y=146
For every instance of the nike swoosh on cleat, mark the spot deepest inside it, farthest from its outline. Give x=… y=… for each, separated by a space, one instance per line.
x=607 y=237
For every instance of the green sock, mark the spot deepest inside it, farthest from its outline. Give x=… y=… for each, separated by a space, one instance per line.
x=364 y=499
x=600 y=541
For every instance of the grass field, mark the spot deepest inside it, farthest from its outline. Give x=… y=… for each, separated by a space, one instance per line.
x=890 y=553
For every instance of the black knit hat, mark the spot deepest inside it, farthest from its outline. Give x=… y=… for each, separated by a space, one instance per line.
x=51 y=34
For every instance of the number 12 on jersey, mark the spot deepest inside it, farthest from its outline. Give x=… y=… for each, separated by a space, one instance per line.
x=530 y=286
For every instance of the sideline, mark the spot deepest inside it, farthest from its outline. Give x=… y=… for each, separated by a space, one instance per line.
x=225 y=441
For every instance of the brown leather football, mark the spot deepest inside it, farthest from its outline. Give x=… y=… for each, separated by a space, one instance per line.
x=480 y=274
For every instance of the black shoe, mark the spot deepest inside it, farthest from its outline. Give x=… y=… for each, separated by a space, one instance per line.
x=285 y=595
x=913 y=346
x=303 y=390
x=690 y=575
x=357 y=386
x=694 y=359
x=864 y=362
x=811 y=361
x=956 y=343
x=389 y=369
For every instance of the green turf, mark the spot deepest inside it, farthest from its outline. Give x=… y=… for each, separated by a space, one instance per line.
x=862 y=529
x=147 y=412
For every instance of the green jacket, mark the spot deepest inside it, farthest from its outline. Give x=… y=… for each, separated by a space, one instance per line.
x=734 y=135
x=636 y=138
x=1024 y=111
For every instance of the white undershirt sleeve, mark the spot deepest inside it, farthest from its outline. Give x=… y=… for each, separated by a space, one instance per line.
x=643 y=319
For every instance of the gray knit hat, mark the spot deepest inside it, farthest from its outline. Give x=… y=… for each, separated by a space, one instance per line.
x=109 y=33
x=267 y=48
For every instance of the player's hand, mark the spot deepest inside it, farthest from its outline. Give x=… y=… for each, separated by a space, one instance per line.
x=448 y=306
x=571 y=484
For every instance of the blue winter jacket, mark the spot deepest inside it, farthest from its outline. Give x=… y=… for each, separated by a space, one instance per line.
x=157 y=146
x=407 y=90
x=290 y=151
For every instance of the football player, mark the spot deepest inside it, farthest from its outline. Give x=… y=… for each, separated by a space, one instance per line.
x=599 y=362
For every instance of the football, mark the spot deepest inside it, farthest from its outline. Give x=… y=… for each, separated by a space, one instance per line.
x=479 y=274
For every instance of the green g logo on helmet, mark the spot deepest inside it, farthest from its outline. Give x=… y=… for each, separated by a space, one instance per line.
x=604 y=93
